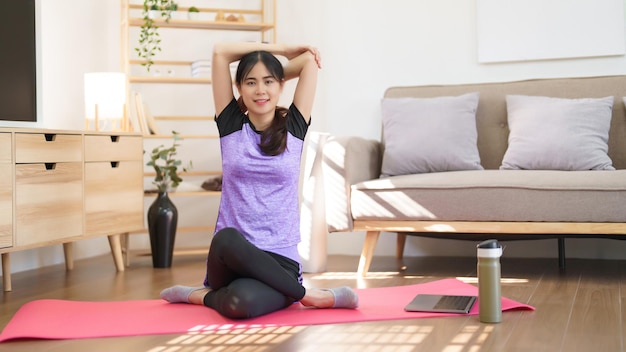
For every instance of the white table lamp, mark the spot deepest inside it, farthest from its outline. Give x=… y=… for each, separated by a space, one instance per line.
x=105 y=100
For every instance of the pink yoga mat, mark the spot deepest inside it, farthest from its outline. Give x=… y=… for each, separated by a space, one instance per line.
x=59 y=319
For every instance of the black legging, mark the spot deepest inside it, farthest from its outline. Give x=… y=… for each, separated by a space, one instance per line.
x=246 y=281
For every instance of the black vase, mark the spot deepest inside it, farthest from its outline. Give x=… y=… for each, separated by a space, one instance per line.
x=162 y=221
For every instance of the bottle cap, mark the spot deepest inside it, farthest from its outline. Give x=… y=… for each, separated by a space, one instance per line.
x=489 y=249
x=489 y=244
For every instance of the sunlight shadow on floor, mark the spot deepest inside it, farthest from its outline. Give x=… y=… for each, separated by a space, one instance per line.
x=254 y=339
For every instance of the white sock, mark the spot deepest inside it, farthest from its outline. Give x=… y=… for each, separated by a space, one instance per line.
x=178 y=293
x=345 y=297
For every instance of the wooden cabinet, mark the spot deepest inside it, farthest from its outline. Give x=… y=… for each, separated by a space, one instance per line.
x=32 y=147
x=113 y=148
x=113 y=192
x=48 y=202
x=48 y=187
x=6 y=191
x=62 y=186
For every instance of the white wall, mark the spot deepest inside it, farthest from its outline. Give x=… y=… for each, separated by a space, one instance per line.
x=367 y=46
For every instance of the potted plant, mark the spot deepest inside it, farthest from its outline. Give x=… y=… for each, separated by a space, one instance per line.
x=193 y=13
x=162 y=214
x=149 y=39
x=165 y=165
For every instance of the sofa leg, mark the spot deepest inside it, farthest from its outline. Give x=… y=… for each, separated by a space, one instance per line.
x=371 y=238
x=561 y=243
x=400 y=242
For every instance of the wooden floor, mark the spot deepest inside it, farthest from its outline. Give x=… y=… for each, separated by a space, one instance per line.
x=580 y=309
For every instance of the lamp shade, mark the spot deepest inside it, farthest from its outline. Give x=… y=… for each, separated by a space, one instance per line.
x=107 y=90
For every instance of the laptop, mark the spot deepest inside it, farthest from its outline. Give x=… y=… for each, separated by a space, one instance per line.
x=441 y=303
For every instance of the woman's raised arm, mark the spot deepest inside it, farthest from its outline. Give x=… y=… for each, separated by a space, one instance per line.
x=304 y=67
x=303 y=63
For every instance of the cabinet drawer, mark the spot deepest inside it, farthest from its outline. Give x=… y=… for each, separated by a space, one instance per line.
x=113 y=148
x=48 y=202
x=113 y=197
x=47 y=147
x=6 y=205
x=5 y=148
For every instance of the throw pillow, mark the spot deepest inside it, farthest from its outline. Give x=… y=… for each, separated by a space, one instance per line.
x=558 y=134
x=430 y=134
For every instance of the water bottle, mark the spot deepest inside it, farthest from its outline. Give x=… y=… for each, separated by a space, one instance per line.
x=489 y=296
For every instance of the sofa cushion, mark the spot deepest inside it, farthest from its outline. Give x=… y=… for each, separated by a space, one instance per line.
x=494 y=195
x=429 y=134
x=558 y=134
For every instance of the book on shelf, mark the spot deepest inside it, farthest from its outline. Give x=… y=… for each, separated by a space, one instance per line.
x=201 y=68
x=151 y=122
x=133 y=116
x=201 y=73
x=201 y=63
x=141 y=117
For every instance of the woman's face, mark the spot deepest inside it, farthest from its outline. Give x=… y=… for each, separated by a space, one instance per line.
x=260 y=91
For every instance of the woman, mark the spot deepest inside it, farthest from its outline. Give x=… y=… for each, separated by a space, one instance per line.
x=253 y=266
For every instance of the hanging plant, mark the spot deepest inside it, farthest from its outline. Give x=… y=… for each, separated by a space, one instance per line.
x=149 y=39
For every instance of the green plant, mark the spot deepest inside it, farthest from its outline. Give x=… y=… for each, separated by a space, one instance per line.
x=193 y=9
x=165 y=165
x=149 y=39
x=171 y=6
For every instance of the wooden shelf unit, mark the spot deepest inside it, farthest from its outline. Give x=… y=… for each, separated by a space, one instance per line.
x=183 y=136
x=186 y=193
x=266 y=27
x=169 y=80
x=213 y=25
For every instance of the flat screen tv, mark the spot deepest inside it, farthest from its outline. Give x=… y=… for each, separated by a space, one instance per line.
x=18 y=71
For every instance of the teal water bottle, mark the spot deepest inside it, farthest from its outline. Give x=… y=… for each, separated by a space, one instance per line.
x=489 y=296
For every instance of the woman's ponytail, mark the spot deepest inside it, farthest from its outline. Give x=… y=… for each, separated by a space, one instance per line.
x=274 y=138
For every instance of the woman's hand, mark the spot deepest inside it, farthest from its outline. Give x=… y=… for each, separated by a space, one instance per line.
x=295 y=51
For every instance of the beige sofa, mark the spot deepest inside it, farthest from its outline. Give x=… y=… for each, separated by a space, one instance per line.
x=475 y=204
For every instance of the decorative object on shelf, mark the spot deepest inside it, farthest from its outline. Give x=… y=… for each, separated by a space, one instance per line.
x=213 y=184
x=149 y=39
x=162 y=223
x=162 y=214
x=220 y=16
x=234 y=18
x=193 y=13
x=105 y=101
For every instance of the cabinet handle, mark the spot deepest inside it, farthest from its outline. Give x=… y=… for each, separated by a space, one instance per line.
x=115 y=139
x=115 y=164
x=50 y=137
x=51 y=166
